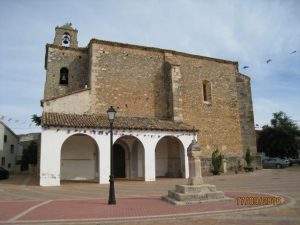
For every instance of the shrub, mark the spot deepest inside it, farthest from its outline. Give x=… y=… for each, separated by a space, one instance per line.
x=238 y=167
x=216 y=160
x=248 y=159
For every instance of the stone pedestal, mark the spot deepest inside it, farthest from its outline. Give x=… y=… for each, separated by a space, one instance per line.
x=192 y=194
x=195 y=191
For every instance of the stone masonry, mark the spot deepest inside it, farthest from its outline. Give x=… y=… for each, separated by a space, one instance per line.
x=195 y=191
x=151 y=82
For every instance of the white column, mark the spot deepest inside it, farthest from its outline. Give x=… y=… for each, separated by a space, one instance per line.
x=149 y=158
x=186 y=163
x=103 y=142
x=186 y=141
x=51 y=142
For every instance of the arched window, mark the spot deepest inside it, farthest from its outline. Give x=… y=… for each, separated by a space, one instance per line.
x=66 y=40
x=206 y=91
x=63 y=78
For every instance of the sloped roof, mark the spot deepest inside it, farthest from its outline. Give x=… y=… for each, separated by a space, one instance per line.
x=101 y=121
x=8 y=128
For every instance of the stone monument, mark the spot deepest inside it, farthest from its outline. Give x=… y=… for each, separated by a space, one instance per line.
x=195 y=191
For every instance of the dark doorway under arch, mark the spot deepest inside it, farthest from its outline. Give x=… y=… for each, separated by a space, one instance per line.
x=129 y=158
x=119 y=161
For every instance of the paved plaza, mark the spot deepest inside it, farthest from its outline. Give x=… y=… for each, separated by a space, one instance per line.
x=23 y=202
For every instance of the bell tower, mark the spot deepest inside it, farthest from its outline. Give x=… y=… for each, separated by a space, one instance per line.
x=66 y=36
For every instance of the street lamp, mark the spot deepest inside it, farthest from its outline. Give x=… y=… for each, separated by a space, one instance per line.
x=111 y=113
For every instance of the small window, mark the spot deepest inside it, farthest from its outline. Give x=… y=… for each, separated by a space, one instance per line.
x=206 y=91
x=12 y=149
x=63 y=78
x=5 y=138
x=8 y=165
x=66 y=40
x=3 y=161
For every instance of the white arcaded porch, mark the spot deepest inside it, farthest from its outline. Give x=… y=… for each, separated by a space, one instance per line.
x=84 y=154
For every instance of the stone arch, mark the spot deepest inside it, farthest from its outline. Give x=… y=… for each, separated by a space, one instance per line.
x=64 y=76
x=134 y=152
x=66 y=40
x=79 y=158
x=169 y=157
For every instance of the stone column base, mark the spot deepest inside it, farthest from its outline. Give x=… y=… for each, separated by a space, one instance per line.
x=192 y=194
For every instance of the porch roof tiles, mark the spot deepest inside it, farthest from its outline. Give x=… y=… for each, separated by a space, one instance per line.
x=101 y=121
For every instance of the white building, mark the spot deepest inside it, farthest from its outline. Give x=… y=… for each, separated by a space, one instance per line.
x=8 y=147
x=77 y=147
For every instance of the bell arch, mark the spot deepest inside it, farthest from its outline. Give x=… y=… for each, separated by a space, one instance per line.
x=64 y=76
x=66 y=40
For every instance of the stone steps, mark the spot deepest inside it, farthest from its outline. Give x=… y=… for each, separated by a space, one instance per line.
x=191 y=194
x=175 y=202
x=195 y=188
x=195 y=196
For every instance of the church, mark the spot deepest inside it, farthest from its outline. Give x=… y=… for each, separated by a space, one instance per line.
x=164 y=99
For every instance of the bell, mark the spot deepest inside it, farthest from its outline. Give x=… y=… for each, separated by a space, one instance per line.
x=63 y=78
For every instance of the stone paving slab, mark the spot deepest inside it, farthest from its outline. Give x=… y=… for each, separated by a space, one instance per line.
x=126 y=209
x=286 y=182
x=9 y=209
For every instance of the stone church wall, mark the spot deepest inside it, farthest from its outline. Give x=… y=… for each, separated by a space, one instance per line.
x=75 y=60
x=246 y=113
x=137 y=81
x=218 y=121
x=247 y=117
x=150 y=82
x=131 y=79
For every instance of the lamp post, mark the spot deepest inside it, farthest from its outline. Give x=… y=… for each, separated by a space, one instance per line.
x=111 y=113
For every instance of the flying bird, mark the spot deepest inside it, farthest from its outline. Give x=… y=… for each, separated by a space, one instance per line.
x=245 y=67
x=269 y=60
x=293 y=52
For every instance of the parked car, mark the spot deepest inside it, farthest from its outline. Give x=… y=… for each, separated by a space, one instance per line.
x=275 y=163
x=288 y=161
x=295 y=161
x=4 y=174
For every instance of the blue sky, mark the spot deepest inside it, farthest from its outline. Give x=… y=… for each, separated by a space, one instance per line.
x=246 y=31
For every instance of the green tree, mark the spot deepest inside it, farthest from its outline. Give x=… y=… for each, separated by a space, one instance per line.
x=279 y=139
x=30 y=155
x=216 y=160
x=248 y=159
x=36 y=119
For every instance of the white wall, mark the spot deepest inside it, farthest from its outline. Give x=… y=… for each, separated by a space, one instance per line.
x=53 y=138
x=169 y=155
x=69 y=103
x=161 y=156
x=79 y=158
x=5 y=148
x=137 y=160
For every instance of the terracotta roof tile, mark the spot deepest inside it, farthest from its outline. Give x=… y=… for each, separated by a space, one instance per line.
x=101 y=121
